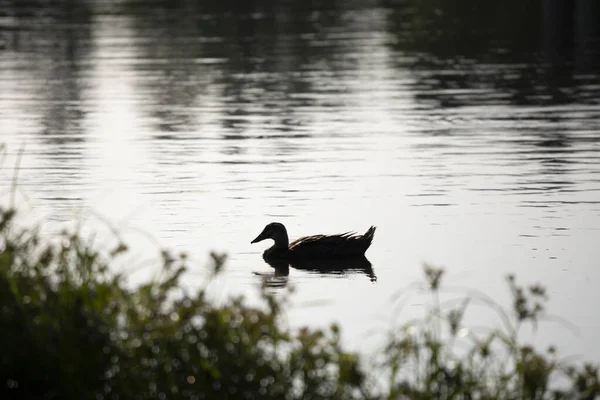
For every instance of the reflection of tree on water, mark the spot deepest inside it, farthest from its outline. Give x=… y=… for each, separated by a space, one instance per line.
x=50 y=50
x=268 y=52
x=342 y=266
x=571 y=33
x=58 y=41
x=465 y=28
x=514 y=52
x=246 y=63
x=170 y=78
x=54 y=43
x=65 y=104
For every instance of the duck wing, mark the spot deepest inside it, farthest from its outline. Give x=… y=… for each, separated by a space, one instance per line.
x=340 y=245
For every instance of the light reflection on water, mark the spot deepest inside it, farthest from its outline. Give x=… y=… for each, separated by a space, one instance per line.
x=199 y=130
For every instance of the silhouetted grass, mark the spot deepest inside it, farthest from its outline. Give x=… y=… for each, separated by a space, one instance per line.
x=72 y=328
x=439 y=357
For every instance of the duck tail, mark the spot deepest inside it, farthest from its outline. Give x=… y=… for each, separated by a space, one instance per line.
x=368 y=237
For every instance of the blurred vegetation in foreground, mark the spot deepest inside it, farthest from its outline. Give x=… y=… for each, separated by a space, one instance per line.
x=72 y=328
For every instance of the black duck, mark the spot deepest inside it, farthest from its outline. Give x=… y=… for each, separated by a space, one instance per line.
x=344 y=245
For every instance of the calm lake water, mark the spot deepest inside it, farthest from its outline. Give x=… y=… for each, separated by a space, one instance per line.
x=469 y=137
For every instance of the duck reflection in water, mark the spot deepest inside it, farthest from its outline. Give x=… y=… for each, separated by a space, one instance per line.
x=326 y=254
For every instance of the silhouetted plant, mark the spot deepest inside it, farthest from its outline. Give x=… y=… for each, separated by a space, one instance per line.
x=73 y=328
x=439 y=357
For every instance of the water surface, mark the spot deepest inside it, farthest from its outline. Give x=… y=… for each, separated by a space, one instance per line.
x=468 y=145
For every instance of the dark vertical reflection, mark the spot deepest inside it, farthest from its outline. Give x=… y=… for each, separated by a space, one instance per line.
x=171 y=78
x=557 y=30
x=54 y=43
x=258 y=63
x=64 y=98
x=266 y=56
x=515 y=53
x=51 y=52
x=587 y=36
x=522 y=51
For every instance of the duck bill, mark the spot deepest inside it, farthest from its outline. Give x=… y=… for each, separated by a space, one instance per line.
x=260 y=237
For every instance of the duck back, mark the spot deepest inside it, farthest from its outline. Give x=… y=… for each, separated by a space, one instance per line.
x=347 y=244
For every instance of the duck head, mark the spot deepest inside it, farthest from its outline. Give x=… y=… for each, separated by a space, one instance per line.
x=275 y=231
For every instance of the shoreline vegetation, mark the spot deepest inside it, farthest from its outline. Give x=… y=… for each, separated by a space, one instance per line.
x=72 y=328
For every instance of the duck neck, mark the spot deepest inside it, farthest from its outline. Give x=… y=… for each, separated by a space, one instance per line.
x=281 y=241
